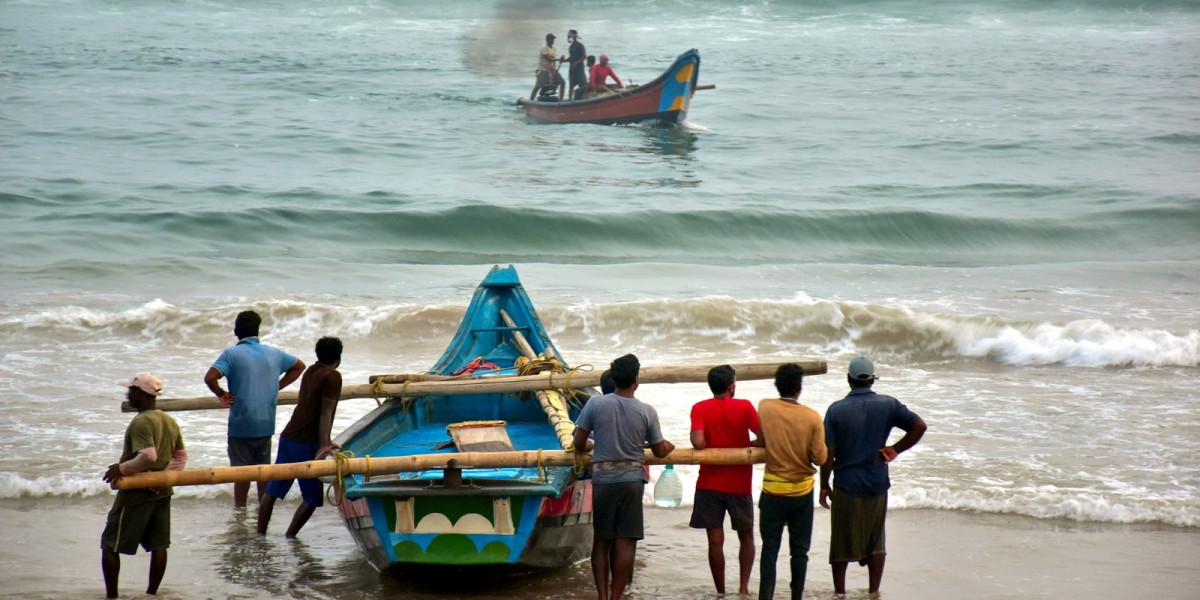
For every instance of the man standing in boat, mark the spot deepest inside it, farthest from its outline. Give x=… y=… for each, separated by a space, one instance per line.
x=547 y=71
x=725 y=422
x=622 y=427
x=252 y=370
x=308 y=435
x=577 y=73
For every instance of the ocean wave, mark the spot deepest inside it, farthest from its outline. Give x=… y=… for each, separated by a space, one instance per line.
x=713 y=325
x=16 y=485
x=895 y=332
x=1048 y=502
x=748 y=234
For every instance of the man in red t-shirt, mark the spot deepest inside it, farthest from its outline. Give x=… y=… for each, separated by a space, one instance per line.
x=725 y=422
x=601 y=71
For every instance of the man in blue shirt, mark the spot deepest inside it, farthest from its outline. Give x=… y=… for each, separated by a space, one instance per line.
x=252 y=370
x=856 y=434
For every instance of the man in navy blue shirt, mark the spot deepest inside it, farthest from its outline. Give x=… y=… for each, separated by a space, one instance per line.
x=856 y=433
x=578 y=75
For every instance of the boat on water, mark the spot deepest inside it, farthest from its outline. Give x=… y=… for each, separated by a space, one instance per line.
x=536 y=516
x=664 y=100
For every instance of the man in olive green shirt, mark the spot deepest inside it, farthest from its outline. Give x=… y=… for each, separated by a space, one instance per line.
x=142 y=516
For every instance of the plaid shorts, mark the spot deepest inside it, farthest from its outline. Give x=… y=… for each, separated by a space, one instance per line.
x=857 y=527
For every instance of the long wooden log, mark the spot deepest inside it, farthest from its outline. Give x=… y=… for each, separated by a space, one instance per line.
x=556 y=412
x=664 y=374
x=510 y=383
x=415 y=377
x=422 y=462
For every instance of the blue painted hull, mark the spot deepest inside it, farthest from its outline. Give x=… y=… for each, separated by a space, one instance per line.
x=511 y=516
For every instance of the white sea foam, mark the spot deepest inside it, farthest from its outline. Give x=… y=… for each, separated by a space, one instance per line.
x=776 y=326
x=1088 y=342
x=1049 y=502
x=16 y=485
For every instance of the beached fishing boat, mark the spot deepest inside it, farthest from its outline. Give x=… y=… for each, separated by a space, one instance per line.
x=536 y=516
x=664 y=100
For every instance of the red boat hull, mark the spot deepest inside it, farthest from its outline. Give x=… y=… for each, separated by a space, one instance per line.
x=664 y=100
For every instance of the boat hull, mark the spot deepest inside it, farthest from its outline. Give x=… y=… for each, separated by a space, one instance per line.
x=665 y=100
x=529 y=517
x=547 y=532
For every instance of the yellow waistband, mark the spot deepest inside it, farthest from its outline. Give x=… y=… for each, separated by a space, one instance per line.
x=778 y=486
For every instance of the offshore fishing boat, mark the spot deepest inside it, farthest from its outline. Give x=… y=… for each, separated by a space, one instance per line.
x=536 y=516
x=664 y=100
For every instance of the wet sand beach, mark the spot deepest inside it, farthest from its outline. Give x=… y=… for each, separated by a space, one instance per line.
x=52 y=551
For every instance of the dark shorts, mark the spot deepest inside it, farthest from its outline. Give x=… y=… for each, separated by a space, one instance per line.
x=545 y=78
x=617 y=510
x=856 y=527
x=579 y=78
x=708 y=511
x=291 y=451
x=147 y=523
x=249 y=451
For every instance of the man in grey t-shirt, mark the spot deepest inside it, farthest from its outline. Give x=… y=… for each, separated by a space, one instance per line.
x=622 y=426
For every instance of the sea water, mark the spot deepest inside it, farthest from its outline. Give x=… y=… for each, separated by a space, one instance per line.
x=998 y=202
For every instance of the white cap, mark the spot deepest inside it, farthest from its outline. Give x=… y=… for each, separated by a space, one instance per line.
x=861 y=369
x=147 y=382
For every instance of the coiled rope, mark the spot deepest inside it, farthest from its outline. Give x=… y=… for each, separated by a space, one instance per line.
x=542 y=364
x=343 y=470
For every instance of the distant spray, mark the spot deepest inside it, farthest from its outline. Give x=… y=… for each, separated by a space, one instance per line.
x=506 y=43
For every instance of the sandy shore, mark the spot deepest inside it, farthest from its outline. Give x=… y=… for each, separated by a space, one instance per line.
x=51 y=550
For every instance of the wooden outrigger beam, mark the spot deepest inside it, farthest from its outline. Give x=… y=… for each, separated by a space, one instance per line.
x=385 y=386
x=422 y=462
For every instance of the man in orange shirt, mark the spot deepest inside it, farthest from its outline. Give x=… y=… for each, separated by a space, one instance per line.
x=795 y=442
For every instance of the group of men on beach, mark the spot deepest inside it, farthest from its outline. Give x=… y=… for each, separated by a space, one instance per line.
x=586 y=75
x=254 y=373
x=850 y=444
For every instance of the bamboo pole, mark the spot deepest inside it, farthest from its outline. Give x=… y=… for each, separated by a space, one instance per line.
x=663 y=374
x=415 y=377
x=518 y=337
x=556 y=412
x=422 y=462
x=707 y=86
x=510 y=383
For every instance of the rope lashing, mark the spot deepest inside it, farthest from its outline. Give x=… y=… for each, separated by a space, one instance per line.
x=343 y=470
x=377 y=391
x=542 y=475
